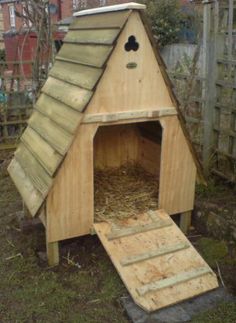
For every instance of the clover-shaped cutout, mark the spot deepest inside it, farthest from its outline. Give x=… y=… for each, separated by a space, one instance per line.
x=131 y=44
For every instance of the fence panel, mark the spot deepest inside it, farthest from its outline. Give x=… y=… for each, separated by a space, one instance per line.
x=16 y=102
x=224 y=126
x=205 y=84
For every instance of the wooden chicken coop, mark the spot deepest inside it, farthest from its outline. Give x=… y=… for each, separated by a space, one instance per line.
x=106 y=150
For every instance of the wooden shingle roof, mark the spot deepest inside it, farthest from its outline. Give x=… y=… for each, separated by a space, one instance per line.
x=64 y=97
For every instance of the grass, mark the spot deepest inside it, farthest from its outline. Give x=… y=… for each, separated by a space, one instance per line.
x=30 y=291
x=64 y=294
x=212 y=250
x=85 y=290
x=224 y=313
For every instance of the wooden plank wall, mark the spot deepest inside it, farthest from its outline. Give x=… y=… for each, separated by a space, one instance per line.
x=178 y=172
x=149 y=155
x=134 y=91
x=70 y=209
x=116 y=145
x=70 y=202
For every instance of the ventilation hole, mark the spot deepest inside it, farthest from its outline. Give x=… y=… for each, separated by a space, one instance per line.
x=131 y=44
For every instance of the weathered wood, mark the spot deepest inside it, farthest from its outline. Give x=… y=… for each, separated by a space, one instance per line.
x=101 y=36
x=209 y=89
x=32 y=168
x=185 y=221
x=105 y=20
x=153 y=254
x=32 y=198
x=16 y=62
x=226 y=84
x=42 y=151
x=80 y=75
x=42 y=216
x=61 y=114
x=230 y=29
x=112 y=117
x=55 y=136
x=14 y=122
x=77 y=98
x=53 y=253
x=172 y=281
x=84 y=54
x=117 y=234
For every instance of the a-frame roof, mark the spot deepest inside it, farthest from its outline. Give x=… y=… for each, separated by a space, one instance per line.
x=59 y=110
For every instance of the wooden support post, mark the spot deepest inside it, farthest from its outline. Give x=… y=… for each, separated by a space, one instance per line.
x=185 y=221
x=53 y=253
x=209 y=72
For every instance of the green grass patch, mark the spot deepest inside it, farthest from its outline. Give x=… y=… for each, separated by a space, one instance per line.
x=224 y=313
x=213 y=251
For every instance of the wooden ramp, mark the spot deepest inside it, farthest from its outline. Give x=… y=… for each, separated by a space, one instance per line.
x=155 y=260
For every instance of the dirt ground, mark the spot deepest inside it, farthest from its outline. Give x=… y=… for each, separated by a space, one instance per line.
x=85 y=287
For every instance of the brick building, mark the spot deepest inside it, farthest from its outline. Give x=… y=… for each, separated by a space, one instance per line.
x=15 y=33
x=15 y=28
x=59 y=9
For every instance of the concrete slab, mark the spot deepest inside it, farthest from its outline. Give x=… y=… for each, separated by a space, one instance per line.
x=179 y=313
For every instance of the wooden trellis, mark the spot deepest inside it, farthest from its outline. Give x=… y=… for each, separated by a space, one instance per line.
x=15 y=105
x=210 y=107
x=224 y=113
x=209 y=101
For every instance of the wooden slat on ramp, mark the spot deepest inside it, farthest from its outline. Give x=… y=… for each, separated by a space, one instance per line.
x=155 y=260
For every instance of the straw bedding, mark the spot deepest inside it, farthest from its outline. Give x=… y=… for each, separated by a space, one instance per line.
x=124 y=192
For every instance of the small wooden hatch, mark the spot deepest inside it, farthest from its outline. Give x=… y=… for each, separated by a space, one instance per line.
x=155 y=260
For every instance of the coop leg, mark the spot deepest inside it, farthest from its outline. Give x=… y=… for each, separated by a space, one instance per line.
x=185 y=221
x=53 y=253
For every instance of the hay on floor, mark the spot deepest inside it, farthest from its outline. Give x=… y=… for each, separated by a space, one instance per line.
x=124 y=192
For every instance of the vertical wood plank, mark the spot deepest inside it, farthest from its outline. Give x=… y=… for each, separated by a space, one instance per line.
x=209 y=87
x=70 y=202
x=53 y=253
x=178 y=171
x=185 y=221
x=230 y=30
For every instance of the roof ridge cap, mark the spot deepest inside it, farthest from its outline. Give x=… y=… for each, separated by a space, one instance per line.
x=114 y=8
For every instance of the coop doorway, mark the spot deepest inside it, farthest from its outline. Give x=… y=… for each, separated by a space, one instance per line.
x=127 y=162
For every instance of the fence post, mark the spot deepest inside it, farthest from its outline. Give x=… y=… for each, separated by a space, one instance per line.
x=209 y=71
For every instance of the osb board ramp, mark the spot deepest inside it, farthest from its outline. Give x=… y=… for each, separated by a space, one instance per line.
x=155 y=260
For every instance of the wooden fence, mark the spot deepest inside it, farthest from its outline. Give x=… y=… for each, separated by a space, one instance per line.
x=207 y=90
x=205 y=85
x=15 y=102
x=224 y=77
